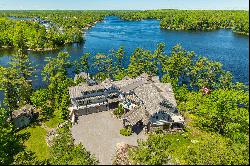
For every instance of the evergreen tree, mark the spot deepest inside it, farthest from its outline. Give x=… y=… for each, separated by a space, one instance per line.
x=10 y=144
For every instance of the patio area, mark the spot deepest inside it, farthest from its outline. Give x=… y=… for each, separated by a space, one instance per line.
x=99 y=133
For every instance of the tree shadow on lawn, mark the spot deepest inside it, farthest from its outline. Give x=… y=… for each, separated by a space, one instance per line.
x=26 y=135
x=33 y=124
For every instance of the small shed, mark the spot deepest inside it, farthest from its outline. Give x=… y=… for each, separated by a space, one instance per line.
x=23 y=116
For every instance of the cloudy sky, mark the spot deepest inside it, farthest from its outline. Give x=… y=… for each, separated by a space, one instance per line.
x=122 y=4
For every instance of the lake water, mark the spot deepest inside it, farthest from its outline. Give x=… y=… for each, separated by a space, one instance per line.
x=230 y=49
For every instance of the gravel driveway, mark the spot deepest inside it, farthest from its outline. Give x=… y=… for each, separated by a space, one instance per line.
x=99 y=133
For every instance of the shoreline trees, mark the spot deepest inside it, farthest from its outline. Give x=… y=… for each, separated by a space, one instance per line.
x=196 y=20
x=65 y=28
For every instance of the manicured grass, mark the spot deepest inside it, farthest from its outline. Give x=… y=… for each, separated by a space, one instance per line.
x=54 y=121
x=36 y=142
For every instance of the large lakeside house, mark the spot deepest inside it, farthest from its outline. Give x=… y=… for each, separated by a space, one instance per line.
x=146 y=101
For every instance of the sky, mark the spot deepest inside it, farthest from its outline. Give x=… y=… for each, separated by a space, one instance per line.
x=122 y=4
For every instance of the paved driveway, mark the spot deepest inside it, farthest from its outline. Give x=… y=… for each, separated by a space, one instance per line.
x=99 y=133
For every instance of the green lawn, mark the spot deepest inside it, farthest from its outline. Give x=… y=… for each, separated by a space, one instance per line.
x=54 y=121
x=36 y=142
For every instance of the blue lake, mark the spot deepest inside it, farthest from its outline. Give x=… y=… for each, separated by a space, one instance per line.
x=230 y=49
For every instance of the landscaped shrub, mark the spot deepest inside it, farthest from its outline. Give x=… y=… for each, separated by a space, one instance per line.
x=119 y=111
x=126 y=131
x=159 y=131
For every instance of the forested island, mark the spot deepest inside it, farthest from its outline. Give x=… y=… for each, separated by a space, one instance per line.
x=201 y=20
x=216 y=108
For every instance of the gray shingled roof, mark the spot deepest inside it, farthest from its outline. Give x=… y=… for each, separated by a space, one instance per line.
x=132 y=86
x=107 y=83
x=153 y=94
x=76 y=91
x=133 y=98
x=128 y=84
x=148 y=91
x=133 y=116
x=125 y=85
x=124 y=82
x=167 y=92
x=25 y=110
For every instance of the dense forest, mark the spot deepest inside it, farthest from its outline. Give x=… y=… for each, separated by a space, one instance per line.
x=217 y=130
x=201 y=20
x=65 y=27
x=217 y=122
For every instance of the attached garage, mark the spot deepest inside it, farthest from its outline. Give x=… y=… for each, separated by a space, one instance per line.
x=90 y=110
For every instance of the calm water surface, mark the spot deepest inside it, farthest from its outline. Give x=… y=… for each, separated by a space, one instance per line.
x=230 y=49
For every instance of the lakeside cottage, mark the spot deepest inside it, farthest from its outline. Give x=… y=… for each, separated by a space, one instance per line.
x=147 y=101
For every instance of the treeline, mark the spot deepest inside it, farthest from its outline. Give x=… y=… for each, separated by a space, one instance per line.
x=215 y=108
x=201 y=20
x=66 y=27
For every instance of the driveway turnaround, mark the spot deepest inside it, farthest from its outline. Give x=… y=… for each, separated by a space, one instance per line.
x=99 y=133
